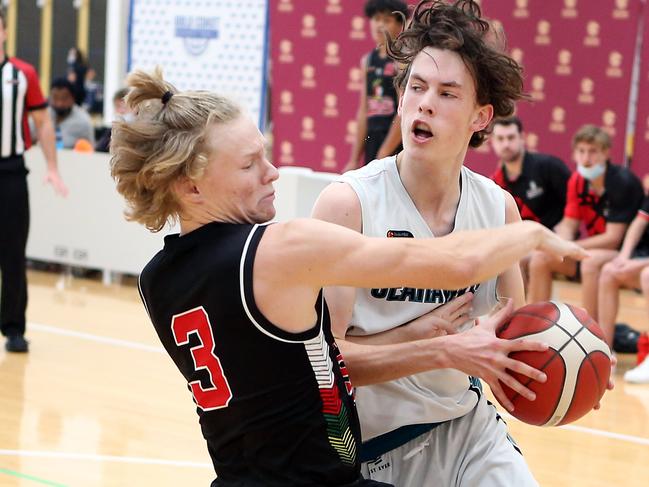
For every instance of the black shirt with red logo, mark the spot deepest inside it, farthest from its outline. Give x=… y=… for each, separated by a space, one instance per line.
x=622 y=197
x=540 y=190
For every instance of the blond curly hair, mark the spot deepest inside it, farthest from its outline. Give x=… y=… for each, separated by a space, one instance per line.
x=166 y=141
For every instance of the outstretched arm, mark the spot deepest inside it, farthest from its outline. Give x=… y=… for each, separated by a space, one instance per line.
x=457 y=260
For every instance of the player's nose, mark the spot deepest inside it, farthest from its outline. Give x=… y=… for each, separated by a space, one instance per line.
x=427 y=105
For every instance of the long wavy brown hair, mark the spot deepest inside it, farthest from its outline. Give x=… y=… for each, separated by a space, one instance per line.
x=459 y=27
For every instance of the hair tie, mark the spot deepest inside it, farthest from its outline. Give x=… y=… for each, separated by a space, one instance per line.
x=166 y=97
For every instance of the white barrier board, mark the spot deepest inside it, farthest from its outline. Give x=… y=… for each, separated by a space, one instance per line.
x=88 y=228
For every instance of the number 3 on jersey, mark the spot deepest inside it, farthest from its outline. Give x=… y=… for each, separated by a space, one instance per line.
x=218 y=395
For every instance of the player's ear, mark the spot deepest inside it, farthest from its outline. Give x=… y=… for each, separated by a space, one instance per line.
x=186 y=190
x=483 y=116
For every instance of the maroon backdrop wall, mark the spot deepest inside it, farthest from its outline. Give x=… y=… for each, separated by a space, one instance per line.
x=640 y=159
x=577 y=57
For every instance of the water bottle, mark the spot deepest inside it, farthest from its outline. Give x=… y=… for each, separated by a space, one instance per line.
x=59 y=138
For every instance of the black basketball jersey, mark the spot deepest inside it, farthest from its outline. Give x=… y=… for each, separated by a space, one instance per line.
x=540 y=189
x=275 y=408
x=382 y=97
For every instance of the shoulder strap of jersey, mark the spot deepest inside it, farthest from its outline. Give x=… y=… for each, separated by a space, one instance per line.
x=246 y=289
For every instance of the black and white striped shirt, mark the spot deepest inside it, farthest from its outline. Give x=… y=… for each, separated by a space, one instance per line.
x=20 y=94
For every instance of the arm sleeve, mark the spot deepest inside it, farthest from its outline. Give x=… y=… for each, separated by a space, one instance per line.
x=643 y=212
x=34 y=99
x=559 y=176
x=572 y=198
x=625 y=200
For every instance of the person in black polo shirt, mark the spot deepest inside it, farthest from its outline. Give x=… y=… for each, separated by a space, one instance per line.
x=538 y=182
x=603 y=198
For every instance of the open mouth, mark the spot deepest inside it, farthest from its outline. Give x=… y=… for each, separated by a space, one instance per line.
x=421 y=131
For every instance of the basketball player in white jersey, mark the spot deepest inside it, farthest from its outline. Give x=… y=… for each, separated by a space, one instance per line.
x=434 y=427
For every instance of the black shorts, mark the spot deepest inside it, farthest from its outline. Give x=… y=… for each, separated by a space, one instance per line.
x=576 y=277
x=640 y=252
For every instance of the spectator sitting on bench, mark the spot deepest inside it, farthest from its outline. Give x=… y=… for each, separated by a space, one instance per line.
x=604 y=198
x=71 y=122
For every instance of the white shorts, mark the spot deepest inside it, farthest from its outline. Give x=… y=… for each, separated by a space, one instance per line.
x=470 y=451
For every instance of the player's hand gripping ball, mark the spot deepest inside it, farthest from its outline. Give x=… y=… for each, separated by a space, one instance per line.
x=577 y=362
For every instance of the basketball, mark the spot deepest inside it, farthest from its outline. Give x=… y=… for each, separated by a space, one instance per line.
x=577 y=362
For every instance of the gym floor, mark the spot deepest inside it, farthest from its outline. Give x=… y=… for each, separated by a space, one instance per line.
x=97 y=402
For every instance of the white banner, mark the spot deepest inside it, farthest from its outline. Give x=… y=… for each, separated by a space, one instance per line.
x=215 y=45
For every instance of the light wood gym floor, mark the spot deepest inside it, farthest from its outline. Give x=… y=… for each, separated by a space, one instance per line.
x=97 y=402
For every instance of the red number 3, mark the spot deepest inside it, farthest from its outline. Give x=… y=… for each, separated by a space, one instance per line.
x=218 y=395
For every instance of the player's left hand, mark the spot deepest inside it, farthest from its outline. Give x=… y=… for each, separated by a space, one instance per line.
x=611 y=382
x=52 y=177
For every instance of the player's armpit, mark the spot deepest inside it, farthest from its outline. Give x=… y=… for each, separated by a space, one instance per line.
x=340 y=301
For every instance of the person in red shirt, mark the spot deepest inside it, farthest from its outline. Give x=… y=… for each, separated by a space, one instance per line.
x=21 y=96
x=603 y=198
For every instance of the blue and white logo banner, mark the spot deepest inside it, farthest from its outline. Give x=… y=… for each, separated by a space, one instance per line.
x=215 y=45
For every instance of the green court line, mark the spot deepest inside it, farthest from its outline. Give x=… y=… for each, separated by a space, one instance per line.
x=13 y=473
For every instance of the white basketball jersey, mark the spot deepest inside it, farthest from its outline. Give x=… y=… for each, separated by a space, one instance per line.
x=388 y=211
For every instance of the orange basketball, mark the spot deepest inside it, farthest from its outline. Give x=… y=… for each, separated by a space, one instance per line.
x=577 y=362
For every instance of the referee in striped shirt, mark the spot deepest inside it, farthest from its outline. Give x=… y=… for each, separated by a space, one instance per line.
x=20 y=96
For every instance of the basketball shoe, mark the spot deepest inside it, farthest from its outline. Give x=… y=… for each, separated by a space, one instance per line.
x=639 y=374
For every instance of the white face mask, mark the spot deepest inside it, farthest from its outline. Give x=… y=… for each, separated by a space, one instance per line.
x=593 y=172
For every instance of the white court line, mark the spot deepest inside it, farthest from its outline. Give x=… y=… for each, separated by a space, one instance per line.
x=582 y=429
x=102 y=458
x=95 y=338
x=149 y=348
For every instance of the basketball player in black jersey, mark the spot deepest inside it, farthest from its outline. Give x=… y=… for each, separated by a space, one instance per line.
x=237 y=303
x=378 y=134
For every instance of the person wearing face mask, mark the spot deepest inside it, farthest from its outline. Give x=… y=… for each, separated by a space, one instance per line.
x=122 y=113
x=603 y=198
x=72 y=122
